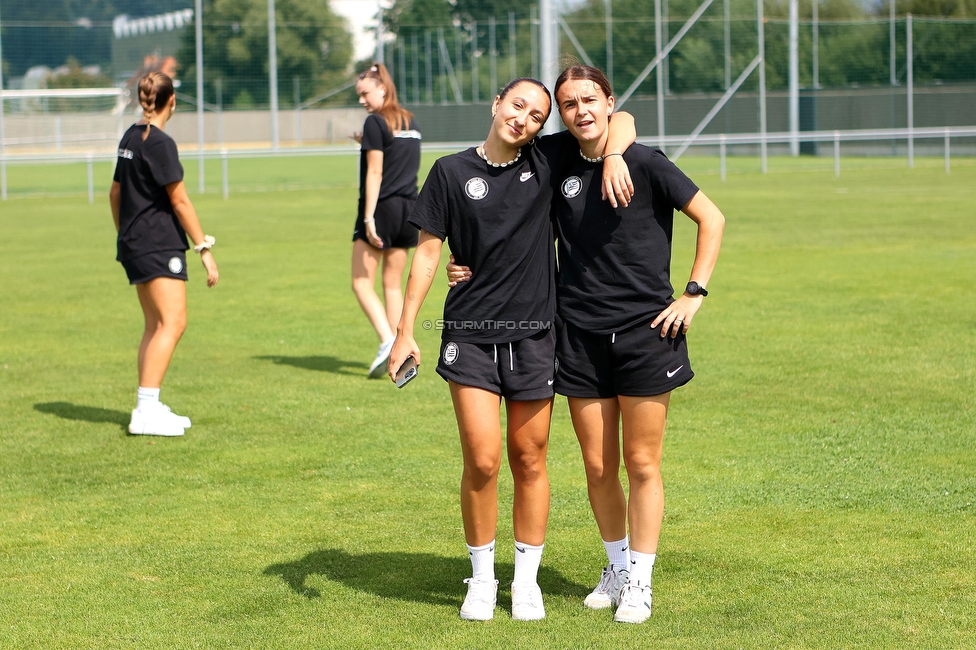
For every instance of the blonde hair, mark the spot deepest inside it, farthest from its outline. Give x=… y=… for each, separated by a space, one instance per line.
x=396 y=117
x=155 y=91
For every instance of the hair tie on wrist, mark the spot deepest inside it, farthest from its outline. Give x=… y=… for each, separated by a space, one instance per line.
x=208 y=243
x=616 y=153
x=368 y=220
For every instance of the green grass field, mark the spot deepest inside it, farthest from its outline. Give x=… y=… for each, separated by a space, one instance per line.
x=819 y=469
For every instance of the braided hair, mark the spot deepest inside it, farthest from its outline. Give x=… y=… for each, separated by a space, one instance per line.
x=155 y=90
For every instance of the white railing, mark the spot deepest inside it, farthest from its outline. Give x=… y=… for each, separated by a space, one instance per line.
x=674 y=143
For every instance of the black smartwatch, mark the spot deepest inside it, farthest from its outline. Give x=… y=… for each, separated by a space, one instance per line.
x=695 y=289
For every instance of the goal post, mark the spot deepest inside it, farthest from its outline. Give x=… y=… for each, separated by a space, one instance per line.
x=59 y=120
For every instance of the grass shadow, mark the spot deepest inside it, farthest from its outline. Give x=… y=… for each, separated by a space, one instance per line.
x=67 y=411
x=319 y=364
x=417 y=577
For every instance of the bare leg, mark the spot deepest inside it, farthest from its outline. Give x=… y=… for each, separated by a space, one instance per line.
x=365 y=260
x=163 y=303
x=394 y=262
x=477 y=412
x=528 y=443
x=597 y=428
x=644 y=420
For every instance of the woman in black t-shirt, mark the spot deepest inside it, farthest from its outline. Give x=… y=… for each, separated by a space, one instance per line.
x=614 y=291
x=388 y=164
x=153 y=216
x=491 y=203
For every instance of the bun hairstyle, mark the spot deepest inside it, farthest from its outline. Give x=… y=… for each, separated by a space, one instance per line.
x=584 y=73
x=155 y=91
x=535 y=82
x=396 y=117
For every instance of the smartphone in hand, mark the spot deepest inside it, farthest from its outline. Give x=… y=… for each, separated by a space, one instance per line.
x=406 y=372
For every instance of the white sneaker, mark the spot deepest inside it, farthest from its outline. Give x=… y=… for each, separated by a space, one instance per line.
x=479 y=604
x=635 y=604
x=156 y=422
x=605 y=594
x=182 y=418
x=527 y=603
x=378 y=368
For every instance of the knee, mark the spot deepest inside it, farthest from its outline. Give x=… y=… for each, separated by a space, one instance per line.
x=529 y=466
x=482 y=469
x=643 y=468
x=602 y=475
x=175 y=325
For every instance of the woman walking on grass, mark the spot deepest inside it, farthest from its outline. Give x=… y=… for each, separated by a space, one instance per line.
x=491 y=204
x=621 y=345
x=388 y=164
x=153 y=216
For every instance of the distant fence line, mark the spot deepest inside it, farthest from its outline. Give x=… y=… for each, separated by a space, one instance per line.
x=930 y=140
x=829 y=110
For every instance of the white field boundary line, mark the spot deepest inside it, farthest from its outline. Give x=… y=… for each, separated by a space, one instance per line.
x=451 y=147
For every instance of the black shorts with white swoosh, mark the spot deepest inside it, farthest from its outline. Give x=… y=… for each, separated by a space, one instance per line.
x=635 y=362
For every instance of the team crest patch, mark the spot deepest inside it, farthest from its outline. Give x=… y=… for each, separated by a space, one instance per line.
x=450 y=353
x=572 y=186
x=476 y=188
x=175 y=265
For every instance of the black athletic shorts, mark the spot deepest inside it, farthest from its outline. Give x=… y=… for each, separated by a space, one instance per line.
x=391 y=223
x=519 y=371
x=635 y=362
x=163 y=264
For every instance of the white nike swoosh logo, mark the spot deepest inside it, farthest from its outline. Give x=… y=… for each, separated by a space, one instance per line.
x=526 y=176
x=672 y=373
x=550 y=382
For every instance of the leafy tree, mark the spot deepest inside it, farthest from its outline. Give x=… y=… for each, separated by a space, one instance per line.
x=313 y=46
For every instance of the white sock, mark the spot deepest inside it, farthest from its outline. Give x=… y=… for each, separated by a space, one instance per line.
x=147 y=398
x=527 y=561
x=641 y=568
x=483 y=561
x=617 y=555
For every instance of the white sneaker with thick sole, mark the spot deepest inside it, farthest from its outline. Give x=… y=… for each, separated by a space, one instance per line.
x=479 y=604
x=156 y=422
x=185 y=421
x=378 y=367
x=605 y=594
x=527 y=603
x=634 y=605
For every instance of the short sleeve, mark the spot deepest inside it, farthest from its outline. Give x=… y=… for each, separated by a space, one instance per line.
x=164 y=162
x=678 y=188
x=555 y=147
x=431 y=212
x=374 y=133
x=116 y=177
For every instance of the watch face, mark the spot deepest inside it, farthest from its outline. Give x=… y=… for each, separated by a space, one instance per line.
x=693 y=288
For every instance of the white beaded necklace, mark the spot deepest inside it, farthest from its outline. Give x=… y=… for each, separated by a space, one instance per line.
x=484 y=156
x=591 y=160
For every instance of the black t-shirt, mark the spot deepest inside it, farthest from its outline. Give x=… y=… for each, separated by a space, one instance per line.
x=615 y=264
x=496 y=221
x=401 y=157
x=147 y=221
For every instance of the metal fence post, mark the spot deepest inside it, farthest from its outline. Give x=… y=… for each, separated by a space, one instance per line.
x=721 y=155
x=199 y=63
x=225 y=184
x=836 y=154
x=91 y=181
x=273 y=70
x=911 y=95
x=761 y=28
x=947 y=151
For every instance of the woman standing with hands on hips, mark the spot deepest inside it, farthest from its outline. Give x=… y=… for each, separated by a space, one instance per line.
x=388 y=164
x=491 y=203
x=621 y=344
x=153 y=216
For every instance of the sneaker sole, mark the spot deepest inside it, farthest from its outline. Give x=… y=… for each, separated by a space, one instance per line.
x=379 y=369
x=528 y=618
x=633 y=620
x=172 y=433
x=598 y=604
x=471 y=617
